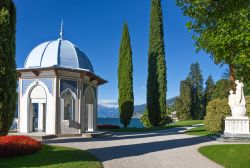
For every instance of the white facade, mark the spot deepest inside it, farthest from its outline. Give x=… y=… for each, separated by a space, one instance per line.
x=58 y=90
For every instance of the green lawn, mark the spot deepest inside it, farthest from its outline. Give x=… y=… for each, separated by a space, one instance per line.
x=53 y=157
x=200 y=131
x=229 y=156
x=172 y=125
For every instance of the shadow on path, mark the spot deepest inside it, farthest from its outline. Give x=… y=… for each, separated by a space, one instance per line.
x=116 y=152
x=119 y=136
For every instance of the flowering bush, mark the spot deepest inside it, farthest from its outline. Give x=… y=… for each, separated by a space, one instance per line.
x=18 y=145
x=108 y=126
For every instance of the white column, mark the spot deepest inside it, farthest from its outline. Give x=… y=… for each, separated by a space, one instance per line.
x=90 y=117
x=40 y=117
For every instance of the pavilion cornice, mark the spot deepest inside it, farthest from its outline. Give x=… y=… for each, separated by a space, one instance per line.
x=83 y=72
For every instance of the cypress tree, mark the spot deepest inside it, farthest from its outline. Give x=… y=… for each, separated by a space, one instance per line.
x=156 y=81
x=196 y=80
x=186 y=98
x=208 y=92
x=8 y=95
x=125 y=79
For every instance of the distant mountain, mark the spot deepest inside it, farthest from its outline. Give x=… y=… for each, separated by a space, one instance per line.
x=110 y=109
x=171 y=101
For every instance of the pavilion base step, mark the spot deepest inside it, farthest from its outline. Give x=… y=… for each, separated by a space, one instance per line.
x=97 y=134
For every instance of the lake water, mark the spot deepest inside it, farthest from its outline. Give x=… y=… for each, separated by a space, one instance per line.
x=135 y=122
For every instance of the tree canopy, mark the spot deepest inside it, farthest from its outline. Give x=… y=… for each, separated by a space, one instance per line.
x=222 y=29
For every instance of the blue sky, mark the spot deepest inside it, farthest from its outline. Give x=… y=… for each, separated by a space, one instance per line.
x=95 y=26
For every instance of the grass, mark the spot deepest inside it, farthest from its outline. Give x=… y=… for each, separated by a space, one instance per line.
x=229 y=155
x=172 y=125
x=53 y=157
x=200 y=131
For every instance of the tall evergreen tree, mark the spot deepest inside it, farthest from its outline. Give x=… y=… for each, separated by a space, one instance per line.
x=8 y=95
x=184 y=103
x=221 y=90
x=125 y=79
x=156 y=81
x=208 y=92
x=196 y=80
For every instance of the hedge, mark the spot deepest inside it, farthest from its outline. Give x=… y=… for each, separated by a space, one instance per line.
x=217 y=110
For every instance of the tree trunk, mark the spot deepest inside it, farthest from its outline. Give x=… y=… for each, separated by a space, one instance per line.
x=232 y=76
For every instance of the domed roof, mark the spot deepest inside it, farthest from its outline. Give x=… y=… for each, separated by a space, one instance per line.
x=61 y=53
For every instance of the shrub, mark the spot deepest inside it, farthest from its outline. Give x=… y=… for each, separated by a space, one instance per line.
x=217 y=110
x=165 y=120
x=144 y=120
x=108 y=126
x=18 y=145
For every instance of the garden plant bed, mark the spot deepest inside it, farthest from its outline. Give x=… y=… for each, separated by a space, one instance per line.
x=18 y=145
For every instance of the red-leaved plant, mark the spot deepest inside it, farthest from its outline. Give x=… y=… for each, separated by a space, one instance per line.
x=18 y=145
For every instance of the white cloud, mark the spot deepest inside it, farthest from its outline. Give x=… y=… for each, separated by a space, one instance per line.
x=109 y=103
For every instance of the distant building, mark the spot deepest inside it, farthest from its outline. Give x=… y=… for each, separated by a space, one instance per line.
x=58 y=90
x=173 y=116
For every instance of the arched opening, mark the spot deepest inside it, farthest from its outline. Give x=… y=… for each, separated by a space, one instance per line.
x=68 y=107
x=37 y=109
x=89 y=106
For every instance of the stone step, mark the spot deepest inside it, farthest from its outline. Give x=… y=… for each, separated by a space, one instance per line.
x=97 y=134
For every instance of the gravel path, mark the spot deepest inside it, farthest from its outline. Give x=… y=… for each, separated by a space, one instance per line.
x=160 y=149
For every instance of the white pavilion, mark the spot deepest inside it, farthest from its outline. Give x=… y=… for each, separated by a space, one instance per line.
x=58 y=90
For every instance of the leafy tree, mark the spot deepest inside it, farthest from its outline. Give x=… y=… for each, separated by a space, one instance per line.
x=221 y=89
x=125 y=79
x=196 y=80
x=156 y=81
x=208 y=92
x=183 y=104
x=222 y=29
x=8 y=78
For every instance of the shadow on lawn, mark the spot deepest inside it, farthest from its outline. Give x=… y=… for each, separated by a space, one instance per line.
x=48 y=156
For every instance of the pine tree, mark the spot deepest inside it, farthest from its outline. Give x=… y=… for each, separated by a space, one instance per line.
x=8 y=95
x=125 y=79
x=156 y=81
x=196 y=80
x=208 y=92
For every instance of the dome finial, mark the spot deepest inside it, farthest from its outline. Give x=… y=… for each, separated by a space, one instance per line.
x=61 y=33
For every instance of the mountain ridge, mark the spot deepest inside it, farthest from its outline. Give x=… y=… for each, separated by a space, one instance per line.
x=110 y=110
